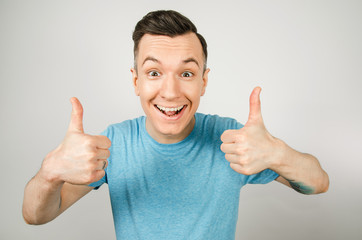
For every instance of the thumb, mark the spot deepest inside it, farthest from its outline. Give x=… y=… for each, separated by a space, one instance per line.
x=76 y=119
x=255 y=109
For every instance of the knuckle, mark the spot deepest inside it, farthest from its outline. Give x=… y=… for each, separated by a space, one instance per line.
x=246 y=160
x=105 y=141
x=88 y=180
x=108 y=153
x=227 y=156
x=224 y=135
x=91 y=177
x=100 y=175
x=109 y=142
x=240 y=150
x=236 y=167
x=222 y=147
x=88 y=168
x=92 y=154
x=88 y=141
x=246 y=171
x=240 y=137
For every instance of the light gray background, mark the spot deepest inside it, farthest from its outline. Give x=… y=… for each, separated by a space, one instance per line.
x=306 y=55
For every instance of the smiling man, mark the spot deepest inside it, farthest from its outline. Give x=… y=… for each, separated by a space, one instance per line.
x=174 y=173
x=170 y=78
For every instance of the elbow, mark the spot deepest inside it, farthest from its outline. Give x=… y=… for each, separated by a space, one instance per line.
x=32 y=219
x=29 y=220
x=26 y=216
x=320 y=185
x=323 y=184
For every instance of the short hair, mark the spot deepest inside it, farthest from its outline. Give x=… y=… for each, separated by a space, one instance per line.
x=168 y=23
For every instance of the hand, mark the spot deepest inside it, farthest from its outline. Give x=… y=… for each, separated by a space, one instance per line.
x=250 y=149
x=80 y=158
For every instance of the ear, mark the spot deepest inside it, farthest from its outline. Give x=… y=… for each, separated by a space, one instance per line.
x=205 y=80
x=135 y=81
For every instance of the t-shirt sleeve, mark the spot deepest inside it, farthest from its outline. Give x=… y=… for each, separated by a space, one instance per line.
x=100 y=182
x=263 y=177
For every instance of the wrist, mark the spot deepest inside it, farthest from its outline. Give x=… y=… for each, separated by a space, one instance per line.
x=280 y=155
x=48 y=171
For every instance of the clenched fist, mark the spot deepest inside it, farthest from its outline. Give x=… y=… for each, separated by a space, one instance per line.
x=81 y=158
x=250 y=149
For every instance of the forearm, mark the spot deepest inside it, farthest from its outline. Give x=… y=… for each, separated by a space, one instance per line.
x=42 y=200
x=301 y=170
x=66 y=171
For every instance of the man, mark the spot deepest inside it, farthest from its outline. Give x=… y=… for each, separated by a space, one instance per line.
x=174 y=174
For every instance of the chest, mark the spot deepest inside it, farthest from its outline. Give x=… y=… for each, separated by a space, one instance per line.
x=187 y=179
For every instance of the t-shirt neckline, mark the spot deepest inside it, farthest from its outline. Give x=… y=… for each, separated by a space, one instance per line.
x=172 y=146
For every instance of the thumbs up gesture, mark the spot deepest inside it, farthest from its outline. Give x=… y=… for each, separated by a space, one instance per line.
x=81 y=158
x=250 y=149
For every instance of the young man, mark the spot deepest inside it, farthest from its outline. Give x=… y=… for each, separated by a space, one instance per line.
x=174 y=174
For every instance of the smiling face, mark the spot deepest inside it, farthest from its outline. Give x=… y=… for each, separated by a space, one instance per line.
x=170 y=79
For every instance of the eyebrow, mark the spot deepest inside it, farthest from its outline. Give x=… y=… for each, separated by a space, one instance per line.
x=192 y=60
x=150 y=59
x=188 y=60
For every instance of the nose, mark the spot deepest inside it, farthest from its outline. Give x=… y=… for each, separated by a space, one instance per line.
x=170 y=88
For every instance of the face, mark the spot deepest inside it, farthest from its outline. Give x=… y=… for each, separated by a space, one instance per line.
x=170 y=79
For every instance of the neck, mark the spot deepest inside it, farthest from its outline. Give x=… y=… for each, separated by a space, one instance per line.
x=170 y=138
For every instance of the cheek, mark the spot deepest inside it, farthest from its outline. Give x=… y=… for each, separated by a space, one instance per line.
x=194 y=99
x=147 y=90
x=194 y=92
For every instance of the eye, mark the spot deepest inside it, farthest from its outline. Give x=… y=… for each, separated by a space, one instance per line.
x=187 y=74
x=154 y=74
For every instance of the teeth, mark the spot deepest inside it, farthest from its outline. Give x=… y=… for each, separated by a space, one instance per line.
x=169 y=109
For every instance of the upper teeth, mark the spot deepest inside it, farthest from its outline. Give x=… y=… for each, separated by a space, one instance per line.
x=170 y=109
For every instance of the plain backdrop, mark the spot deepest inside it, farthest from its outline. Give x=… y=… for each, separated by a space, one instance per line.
x=306 y=56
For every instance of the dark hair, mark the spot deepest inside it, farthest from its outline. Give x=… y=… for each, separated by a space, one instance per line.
x=165 y=22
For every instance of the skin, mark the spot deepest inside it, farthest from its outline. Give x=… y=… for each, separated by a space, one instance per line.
x=253 y=149
x=65 y=172
x=300 y=187
x=170 y=73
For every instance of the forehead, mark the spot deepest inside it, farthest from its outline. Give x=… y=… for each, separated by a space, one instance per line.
x=165 y=47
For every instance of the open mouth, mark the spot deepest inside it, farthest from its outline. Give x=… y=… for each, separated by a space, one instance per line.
x=170 y=112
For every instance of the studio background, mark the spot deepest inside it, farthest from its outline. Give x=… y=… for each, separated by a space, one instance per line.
x=306 y=56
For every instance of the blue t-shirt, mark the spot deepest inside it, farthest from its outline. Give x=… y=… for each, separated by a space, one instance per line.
x=185 y=190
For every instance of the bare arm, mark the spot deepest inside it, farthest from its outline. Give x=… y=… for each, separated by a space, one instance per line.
x=65 y=172
x=301 y=171
x=44 y=201
x=253 y=149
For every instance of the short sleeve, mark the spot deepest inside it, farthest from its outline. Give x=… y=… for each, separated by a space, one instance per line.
x=263 y=177
x=239 y=125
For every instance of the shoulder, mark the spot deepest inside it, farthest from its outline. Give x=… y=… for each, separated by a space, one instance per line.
x=216 y=122
x=128 y=128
